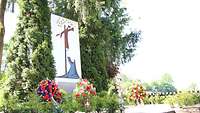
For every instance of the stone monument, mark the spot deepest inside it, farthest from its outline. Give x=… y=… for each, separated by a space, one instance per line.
x=66 y=52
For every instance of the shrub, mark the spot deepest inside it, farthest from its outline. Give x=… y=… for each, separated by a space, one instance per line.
x=112 y=104
x=101 y=102
x=157 y=99
x=98 y=103
x=171 y=100
x=1 y=100
x=186 y=99
x=3 y=81
x=3 y=78
x=69 y=104
x=183 y=99
x=105 y=102
x=33 y=105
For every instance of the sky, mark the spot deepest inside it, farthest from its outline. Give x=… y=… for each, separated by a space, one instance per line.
x=170 y=40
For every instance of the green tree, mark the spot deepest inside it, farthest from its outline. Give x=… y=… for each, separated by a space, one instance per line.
x=165 y=84
x=155 y=86
x=103 y=43
x=29 y=58
x=166 y=78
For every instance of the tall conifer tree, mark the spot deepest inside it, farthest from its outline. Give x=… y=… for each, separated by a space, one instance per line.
x=30 y=56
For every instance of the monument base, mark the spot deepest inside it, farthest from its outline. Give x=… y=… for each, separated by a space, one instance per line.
x=67 y=84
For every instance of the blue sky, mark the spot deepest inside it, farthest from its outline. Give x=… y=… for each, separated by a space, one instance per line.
x=170 y=40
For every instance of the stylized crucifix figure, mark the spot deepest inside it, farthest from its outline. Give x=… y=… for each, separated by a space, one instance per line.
x=65 y=32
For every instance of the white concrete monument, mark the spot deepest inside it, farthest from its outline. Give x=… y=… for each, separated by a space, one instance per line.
x=66 y=51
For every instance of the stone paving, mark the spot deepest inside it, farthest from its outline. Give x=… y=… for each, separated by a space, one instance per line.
x=189 y=109
x=151 y=108
x=161 y=108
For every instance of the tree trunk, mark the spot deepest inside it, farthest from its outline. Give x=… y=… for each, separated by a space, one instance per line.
x=13 y=7
x=2 y=30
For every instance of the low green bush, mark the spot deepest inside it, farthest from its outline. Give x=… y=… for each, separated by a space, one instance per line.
x=1 y=99
x=156 y=99
x=69 y=103
x=112 y=104
x=100 y=102
x=171 y=100
x=183 y=99
x=3 y=79
x=105 y=102
x=34 y=105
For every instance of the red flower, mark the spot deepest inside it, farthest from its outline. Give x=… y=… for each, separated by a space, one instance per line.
x=93 y=92
x=85 y=80
x=46 y=97
x=77 y=94
x=84 y=88
x=137 y=92
x=88 y=87
x=84 y=95
x=48 y=89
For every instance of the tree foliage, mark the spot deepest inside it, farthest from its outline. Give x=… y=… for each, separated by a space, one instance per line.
x=103 y=43
x=165 y=84
x=30 y=59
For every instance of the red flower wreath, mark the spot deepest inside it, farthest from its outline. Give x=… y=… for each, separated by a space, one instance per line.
x=137 y=92
x=84 y=88
x=49 y=89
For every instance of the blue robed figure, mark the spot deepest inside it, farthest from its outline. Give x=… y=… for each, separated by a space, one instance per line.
x=72 y=72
